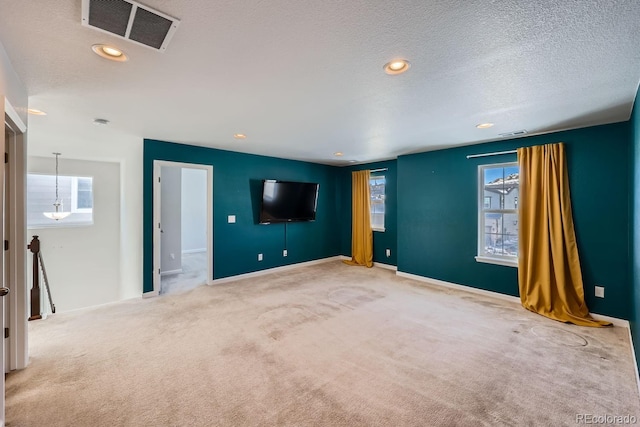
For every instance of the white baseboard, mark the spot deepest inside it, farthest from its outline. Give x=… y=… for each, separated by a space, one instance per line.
x=635 y=361
x=387 y=266
x=194 y=251
x=170 y=272
x=375 y=264
x=617 y=322
x=273 y=270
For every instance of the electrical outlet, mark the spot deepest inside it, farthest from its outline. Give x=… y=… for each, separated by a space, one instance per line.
x=259 y=257
x=284 y=252
x=388 y=252
x=600 y=291
x=231 y=219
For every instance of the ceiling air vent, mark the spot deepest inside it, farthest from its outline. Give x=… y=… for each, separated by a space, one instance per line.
x=130 y=20
x=514 y=133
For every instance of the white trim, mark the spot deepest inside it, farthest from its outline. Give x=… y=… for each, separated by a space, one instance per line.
x=375 y=264
x=194 y=251
x=18 y=301
x=170 y=272
x=622 y=323
x=275 y=270
x=15 y=117
x=91 y=307
x=157 y=165
x=455 y=286
x=386 y=266
x=635 y=361
x=507 y=262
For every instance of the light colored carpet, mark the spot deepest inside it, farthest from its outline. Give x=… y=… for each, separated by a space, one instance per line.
x=324 y=345
x=194 y=274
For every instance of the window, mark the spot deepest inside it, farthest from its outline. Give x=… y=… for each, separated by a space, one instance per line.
x=498 y=192
x=75 y=192
x=377 y=194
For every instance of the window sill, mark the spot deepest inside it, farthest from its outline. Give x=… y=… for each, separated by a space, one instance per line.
x=498 y=261
x=378 y=229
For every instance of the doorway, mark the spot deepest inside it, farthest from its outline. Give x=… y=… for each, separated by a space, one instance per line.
x=183 y=221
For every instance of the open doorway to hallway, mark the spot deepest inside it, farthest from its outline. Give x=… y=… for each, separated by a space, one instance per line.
x=184 y=259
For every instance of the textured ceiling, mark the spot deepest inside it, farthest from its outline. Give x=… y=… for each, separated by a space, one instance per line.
x=303 y=79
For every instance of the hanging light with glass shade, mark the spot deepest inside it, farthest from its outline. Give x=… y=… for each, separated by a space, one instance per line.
x=59 y=213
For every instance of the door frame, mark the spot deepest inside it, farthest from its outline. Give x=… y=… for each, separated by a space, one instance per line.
x=17 y=235
x=15 y=303
x=157 y=204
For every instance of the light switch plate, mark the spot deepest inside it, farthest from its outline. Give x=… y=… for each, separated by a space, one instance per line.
x=231 y=219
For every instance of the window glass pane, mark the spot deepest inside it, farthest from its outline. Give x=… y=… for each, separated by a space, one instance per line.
x=85 y=194
x=377 y=188
x=499 y=195
x=41 y=195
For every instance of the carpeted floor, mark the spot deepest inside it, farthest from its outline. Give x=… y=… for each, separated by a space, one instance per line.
x=323 y=345
x=194 y=274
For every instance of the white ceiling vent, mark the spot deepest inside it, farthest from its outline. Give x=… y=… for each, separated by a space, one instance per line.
x=130 y=20
x=514 y=133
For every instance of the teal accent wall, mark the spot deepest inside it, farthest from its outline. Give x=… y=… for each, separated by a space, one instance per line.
x=381 y=240
x=635 y=221
x=438 y=217
x=237 y=190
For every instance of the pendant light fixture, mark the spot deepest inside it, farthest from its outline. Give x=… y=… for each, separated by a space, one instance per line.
x=59 y=213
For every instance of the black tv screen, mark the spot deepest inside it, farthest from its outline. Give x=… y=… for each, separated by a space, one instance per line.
x=287 y=201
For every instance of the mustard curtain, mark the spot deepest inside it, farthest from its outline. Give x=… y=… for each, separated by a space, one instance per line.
x=549 y=274
x=361 y=234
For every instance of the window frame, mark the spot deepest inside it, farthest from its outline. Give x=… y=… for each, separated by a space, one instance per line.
x=384 y=202
x=505 y=260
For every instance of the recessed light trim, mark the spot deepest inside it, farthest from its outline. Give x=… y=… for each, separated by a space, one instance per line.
x=239 y=136
x=35 y=112
x=338 y=154
x=109 y=52
x=101 y=122
x=484 y=125
x=397 y=66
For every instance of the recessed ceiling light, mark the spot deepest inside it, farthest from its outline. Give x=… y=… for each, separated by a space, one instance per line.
x=397 y=66
x=35 y=112
x=484 y=125
x=239 y=136
x=109 y=52
x=101 y=122
x=337 y=153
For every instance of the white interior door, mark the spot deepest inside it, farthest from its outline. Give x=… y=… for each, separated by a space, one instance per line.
x=4 y=290
x=6 y=263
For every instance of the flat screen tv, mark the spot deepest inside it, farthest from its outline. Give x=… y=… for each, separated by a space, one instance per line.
x=287 y=201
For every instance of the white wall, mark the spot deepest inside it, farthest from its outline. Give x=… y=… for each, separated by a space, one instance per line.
x=127 y=151
x=11 y=86
x=83 y=263
x=170 y=214
x=194 y=210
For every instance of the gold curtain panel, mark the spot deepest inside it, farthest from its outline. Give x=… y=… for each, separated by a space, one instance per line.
x=549 y=274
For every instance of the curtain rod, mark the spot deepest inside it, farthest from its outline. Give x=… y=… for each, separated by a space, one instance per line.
x=379 y=170
x=491 y=154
